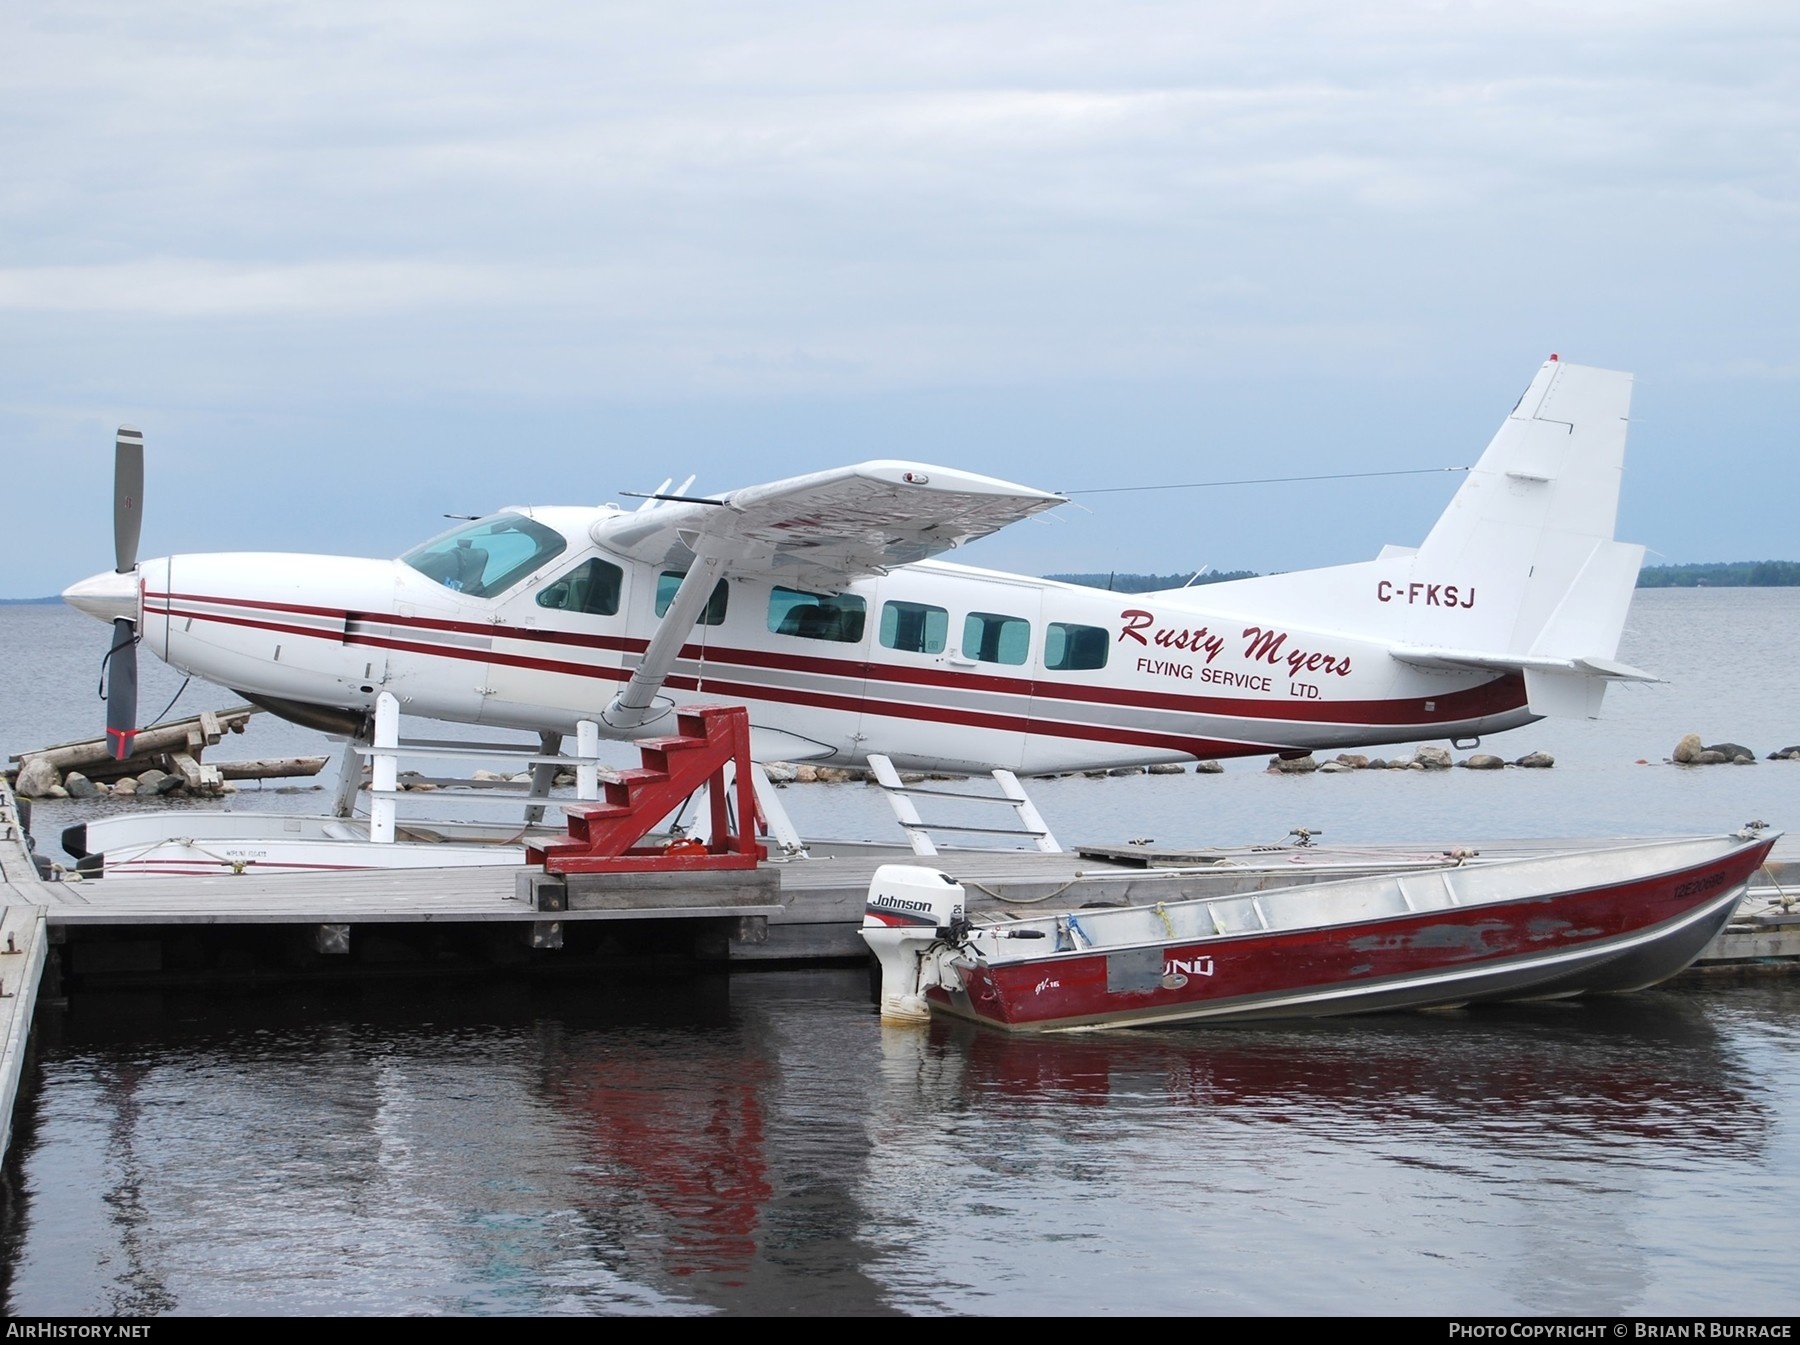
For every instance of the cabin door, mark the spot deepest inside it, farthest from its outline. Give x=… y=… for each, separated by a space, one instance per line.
x=950 y=673
x=557 y=654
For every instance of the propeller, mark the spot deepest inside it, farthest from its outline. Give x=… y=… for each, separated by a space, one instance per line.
x=121 y=659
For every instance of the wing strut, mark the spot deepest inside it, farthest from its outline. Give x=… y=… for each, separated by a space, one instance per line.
x=635 y=705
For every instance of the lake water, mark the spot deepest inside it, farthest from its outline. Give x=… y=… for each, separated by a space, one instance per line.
x=759 y=1143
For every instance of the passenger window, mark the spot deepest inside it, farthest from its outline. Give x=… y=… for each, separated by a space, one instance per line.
x=914 y=627
x=814 y=616
x=991 y=638
x=670 y=580
x=591 y=588
x=1070 y=648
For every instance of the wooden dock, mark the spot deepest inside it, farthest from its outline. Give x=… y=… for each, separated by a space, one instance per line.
x=796 y=910
x=24 y=945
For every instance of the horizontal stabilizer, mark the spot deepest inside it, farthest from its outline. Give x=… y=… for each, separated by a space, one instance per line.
x=1614 y=671
x=1571 y=688
x=1566 y=694
x=1589 y=617
x=1601 y=669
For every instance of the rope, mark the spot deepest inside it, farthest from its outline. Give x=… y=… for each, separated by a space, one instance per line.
x=1782 y=899
x=100 y=690
x=171 y=705
x=1023 y=901
x=237 y=866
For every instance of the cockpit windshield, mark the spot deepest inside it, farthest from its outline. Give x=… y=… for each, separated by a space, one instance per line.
x=488 y=556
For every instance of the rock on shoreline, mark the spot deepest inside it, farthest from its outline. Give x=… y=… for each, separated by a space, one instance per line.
x=1691 y=751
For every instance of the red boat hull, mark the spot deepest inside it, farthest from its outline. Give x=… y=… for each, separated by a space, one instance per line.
x=1602 y=938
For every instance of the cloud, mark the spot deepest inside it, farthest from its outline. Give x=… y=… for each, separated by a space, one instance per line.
x=183 y=289
x=1307 y=220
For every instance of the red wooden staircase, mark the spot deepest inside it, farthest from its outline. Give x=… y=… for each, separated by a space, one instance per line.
x=603 y=837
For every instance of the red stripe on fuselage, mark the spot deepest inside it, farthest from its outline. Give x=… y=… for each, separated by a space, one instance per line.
x=1497 y=696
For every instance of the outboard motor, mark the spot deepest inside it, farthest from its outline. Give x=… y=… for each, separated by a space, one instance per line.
x=909 y=910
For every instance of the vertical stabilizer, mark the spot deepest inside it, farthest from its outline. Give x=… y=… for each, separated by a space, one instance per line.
x=1520 y=573
x=1535 y=509
x=1531 y=533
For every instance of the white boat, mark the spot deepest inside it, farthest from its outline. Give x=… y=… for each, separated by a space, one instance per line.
x=194 y=843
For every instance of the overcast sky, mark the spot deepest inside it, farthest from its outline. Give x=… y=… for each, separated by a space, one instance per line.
x=353 y=266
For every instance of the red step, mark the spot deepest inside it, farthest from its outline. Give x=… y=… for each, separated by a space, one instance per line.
x=603 y=836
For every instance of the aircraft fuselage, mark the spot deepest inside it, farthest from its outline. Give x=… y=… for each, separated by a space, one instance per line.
x=933 y=664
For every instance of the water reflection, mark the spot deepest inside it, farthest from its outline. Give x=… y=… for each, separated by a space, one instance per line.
x=676 y=1144
x=397 y=1150
x=1611 y=1073
x=1512 y=1158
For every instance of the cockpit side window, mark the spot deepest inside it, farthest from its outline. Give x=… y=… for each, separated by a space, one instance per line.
x=488 y=556
x=592 y=588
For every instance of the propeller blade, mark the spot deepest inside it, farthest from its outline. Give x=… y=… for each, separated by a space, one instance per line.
x=128 y=496
x=121 y=689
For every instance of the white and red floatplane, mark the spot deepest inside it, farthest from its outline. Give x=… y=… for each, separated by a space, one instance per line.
x=818 y=604
x=1587 y=922
x=814 y=602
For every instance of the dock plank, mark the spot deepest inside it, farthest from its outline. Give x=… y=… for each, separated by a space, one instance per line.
x=24 y=947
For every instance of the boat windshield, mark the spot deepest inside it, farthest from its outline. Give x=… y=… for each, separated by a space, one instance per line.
x=488 y=556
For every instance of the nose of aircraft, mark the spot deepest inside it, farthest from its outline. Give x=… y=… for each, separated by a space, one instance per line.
x=106 y=596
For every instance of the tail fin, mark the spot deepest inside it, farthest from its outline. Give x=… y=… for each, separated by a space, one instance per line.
x=1521 y=572
x=1531 y=533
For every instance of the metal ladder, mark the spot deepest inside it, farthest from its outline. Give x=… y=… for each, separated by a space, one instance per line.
x=900 y=797
x=386 y=747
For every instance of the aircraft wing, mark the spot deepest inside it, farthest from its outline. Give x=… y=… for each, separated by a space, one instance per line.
x=817 y=532
x=824 y=529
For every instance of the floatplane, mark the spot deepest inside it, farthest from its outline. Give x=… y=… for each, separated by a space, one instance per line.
x=821 y=604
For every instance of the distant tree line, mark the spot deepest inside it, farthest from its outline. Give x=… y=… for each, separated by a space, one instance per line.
x=1149 y=583
x=1723 y=574
x=1718 y=574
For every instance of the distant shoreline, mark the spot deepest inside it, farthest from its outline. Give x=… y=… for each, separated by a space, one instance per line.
x=1715 y=574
